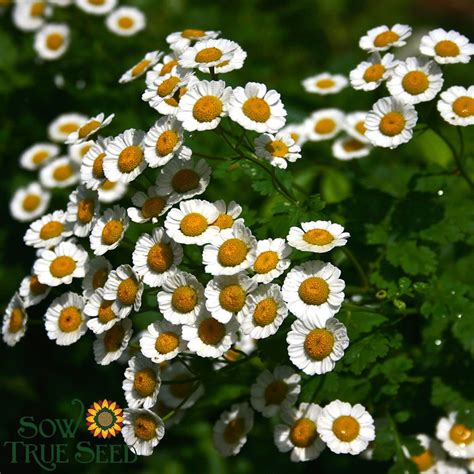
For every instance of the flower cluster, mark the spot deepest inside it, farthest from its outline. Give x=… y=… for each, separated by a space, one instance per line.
x=214 y=289
x=52 y=39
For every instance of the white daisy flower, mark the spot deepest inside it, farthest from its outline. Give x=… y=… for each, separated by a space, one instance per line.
x=369 y=74
x=96 y=7
x=92 y=165
x=345 y=428
x=228 y=214
x=97 y=272
x=65 y=320
x=61 y=264
x=427 y=461
x=348 y=148
x=52 y=41
x=208 y=337
x=182 y=298
x=162 y=341
x=277 y=149
x=61 y=127
x=314 y=347
x=450 y=467
x=59 y=173
x=226 y=295
x=274 y=390
x=323 y=124
x=192 y=222
x=147 y=62
x=149 y=206
x=382 y=38
x=230 y=431
x=314 y=290
x=111 y=344
x=126 y=21
x=179 y=387
x=354 y=125
x=415 y=80
x=457 y=439
x=256 y=108
x=112 y=191
x=164 y=141
x=263 y=313
x=325 y=83
x=48 y=231
x=142 y=431
x=271 y=260
x=297 y=132
x=142 y=382
x=32 y=291
x=61 y=3
x=156 y=257
x=203 y=105
x=317 y=236
x=29 y=202
x=15 y=320
x=167 y=65
x=91 y=127
x=38 y=155
x=456 y=105
x=125 y=289
x=390 y=123
x=184 y=179
x=124 y=158
x=446 y=47
x=82 y=210
x=221 y=54
x=109 y=230
x=29 y=15
x=78 y=151
x=180 y=40
x=299 y=432
x=100 y=313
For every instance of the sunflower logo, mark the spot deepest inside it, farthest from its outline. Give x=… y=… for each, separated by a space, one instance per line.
x=104 y=419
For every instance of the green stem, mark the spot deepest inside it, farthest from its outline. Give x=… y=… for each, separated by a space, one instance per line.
x=173 y=412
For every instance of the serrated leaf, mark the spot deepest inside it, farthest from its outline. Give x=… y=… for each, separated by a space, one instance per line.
x=412 y=258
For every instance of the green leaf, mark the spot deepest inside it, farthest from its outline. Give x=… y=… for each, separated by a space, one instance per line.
x=412 y=258
x=335 y=187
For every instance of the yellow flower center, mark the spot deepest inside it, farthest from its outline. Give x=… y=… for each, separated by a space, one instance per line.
x=112 y=232
x=108 y=185
x=96 y=2
x=63 y=172
x=168 y=67
x=234 y=430
x=140 y=67
x=105 y=312
x=54 y=41
x=319 y=344
x=37 y=9
x=39 y=157
x=51 y=230
x=152 y=207
x=275 y=392
x=126 y=22
x=129 y=158
x=424 y=461
x=192 y=34
x=385 y=38
x=464 y=106
x=144 y=427
x=181 y=389
x=98 y=167
x=392 y=124
x=184 y=299
x=277 y=148
x=324 y=126
x=318 y=237
x=224 y=221
x=193 y=224
x=166 y=342
x=207 y=108
x=85 y=210
x=70 y=319
x=232 y=298
x=68 y=127
x=127 y=291
x=62 y=266
x=208 y=55
x=447 y=48
x=232 y=252
x=314 y=291
x=461 y=434
x=89 y=128
x=160 y=257
x=352 y=144
x=325 y=83
x=295 y=136
x=211 y=331
x=84 y=149
x=256 y=109
x=360 y=127
x=168 y=86
x=303 y=432
x=16 y=320
x=99 y=278
x=346 y=428
x=185 y=180
x=415 y=82
x=31 y=202
x=266 y=262
x=36 y=287
x=166 y=142
x=374 y=73
x=265 y=312
x=113 y=338
x=144 y=382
